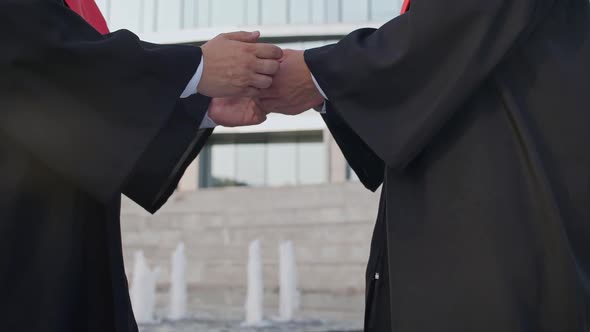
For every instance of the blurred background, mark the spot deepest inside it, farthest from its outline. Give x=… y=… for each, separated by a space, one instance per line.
x=285 y=180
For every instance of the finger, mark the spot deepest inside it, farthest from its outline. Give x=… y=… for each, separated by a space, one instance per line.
x=268 y=51
x=251 y=92
x=261 y=81
x=258 y=113
x=267 y=67
x=243 y=36
x=286 y=53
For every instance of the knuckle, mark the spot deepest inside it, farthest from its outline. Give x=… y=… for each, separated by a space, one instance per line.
x=275 y=52
x=241 y=84
x=257 y=83
x=274 y=67
x=268 y=67
x=251 y=65
x=244 y=81
x=262 y=50
x=240 y=49
x=267 y=82
x=249 y=48
x=265 y=67
x=259 y=66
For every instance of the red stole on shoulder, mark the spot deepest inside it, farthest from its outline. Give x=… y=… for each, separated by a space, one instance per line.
x=90 y=12
x=406 y=6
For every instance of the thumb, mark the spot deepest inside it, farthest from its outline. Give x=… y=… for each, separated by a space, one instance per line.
x=243 y=36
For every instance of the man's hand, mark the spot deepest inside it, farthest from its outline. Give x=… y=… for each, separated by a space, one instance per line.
x=234 y=65
x=236 y=112
x=293 y=91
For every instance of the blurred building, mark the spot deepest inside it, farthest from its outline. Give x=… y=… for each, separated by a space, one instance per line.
x=283 y=180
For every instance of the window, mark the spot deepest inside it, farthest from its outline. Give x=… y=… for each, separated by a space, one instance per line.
x=355 y=11
x=317 y=12
x=202 y=16
x=125 y=14
x=300 y=11
x=264 y=160
x=227 y=12
x=332 y=11
x=167 y=15
x=309 y=154
x=274 y=12
x=250 y=164
x=384 y=10
x=281 y=163
x=253 y=12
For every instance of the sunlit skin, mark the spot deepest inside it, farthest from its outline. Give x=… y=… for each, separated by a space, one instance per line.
x=236 y=65
x=236 y=111
x=293 y=91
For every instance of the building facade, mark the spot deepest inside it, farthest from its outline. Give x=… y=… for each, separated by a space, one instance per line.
x=277 y=153
x=283 y=180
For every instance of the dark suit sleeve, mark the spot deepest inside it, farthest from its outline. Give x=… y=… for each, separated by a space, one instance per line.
x=397 y=86
x=96 y=108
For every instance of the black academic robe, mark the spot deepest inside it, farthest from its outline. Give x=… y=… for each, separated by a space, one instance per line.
x=83 y=119
x=475 y=118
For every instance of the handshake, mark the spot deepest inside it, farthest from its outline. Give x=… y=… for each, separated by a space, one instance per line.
x=248 y=80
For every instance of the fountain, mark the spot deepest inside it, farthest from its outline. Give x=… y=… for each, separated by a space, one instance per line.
x=178 y=287
x=255 y=292
x=288 y=294
x=143 y=290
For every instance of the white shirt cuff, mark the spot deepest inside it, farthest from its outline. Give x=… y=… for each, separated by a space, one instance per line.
x=191 y=89
x=318 y=86
x=323 y=110
x=207 y=123
x=192 y=85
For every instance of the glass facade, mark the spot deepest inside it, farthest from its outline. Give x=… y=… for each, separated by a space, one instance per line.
x=264 y=160
x=174 y=15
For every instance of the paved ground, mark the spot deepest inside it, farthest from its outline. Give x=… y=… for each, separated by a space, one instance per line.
x=235 y=326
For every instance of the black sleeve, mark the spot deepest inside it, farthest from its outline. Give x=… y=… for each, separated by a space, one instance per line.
x=162 y=165
x=365 y=163
x=92 y=107
x=397 y=86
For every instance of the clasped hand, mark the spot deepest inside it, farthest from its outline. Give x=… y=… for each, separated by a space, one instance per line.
x=248 y=80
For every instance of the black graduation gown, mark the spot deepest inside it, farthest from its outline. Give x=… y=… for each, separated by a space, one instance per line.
x=83 y=118
x=475 y=117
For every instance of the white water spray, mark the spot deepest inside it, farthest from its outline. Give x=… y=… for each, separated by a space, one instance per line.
x=178 y=287
x=289 y=297
x=143 y=290
x=255 y=292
